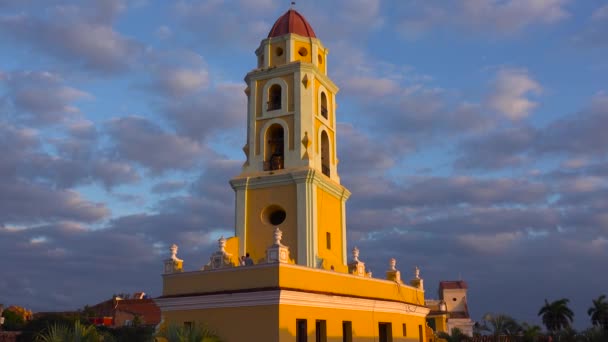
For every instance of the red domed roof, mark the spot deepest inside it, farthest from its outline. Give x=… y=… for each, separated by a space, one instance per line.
x=291 y=22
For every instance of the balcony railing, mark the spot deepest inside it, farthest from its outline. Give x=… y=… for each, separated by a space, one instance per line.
x=273 y=105
x=275 y=163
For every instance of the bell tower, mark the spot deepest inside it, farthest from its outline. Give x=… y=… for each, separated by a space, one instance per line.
x=290 y=177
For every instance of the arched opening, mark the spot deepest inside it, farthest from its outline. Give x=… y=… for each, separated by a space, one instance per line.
x=325 y=153
x=273 y=215
x=324 y=105
x=274 y=97
x=274 y=156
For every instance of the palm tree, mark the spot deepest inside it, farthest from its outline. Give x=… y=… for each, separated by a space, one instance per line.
x=595 y=334
x=191 y=333
x=556 y=315
x=530 y=333
x=78 y=333
x=599 y=313
x=455 y=336
x=500 y=324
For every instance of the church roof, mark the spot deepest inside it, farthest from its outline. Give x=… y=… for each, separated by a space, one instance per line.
x=452 y=285
x=291 y=22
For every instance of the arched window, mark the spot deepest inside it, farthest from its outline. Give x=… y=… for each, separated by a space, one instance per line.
x=274 y=97
x=274 y=156
x=325 y=153
x=324 y=105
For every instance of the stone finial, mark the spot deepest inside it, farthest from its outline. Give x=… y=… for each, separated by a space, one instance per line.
x=220 y=258
x=356 y=254
x=392 y=273
x=392 y=263
x=173 y=250
x=173 y=264
x=356 y=266
x=221 y=244
x=278 y=236
x=277 y=252
x=417 y=281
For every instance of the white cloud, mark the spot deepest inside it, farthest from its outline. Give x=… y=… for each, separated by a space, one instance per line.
x=79 y=36
x=500 y=16
x=140 y=140
x=510 y=94
x=600 y=13
x=164 y=32
x=490 y=244
x=180 y=81
x=42 y=96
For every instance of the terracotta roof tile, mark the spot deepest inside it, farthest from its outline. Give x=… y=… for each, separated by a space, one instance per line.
x=291 y=22
x=452 y=285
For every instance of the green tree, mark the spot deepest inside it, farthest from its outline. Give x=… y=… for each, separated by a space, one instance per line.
x=191 y=333
x=556 y=315
x=455 y=336
x=12 y=320
x=76 y=333
x=137 y=321
x=599 y=312
x=40 y=323
x=531 y=333
x=500 y=324
x=595 y=334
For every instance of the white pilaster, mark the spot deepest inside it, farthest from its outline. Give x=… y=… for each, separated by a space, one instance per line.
x=307 y=220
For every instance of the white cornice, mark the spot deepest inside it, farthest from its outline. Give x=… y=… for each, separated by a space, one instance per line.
x=291 y=68
x=287 y=297
x=285 y=177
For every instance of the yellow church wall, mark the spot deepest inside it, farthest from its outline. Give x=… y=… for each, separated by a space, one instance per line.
x=232 y=247
x=441 y=323
x=299 y=45
x=261 y=101
x=232 y=324
x=315 y=280
x=290 y=277
x=259 y=124
x=275 y=59
x=231 y=279
x=364 y=323
x=329 y=220
x=321 y=60
x=278 y=323
x=259 y=233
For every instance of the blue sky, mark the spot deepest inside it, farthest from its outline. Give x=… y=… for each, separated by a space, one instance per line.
x=471 y=133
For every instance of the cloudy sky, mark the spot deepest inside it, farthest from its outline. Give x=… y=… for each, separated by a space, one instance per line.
x=472 y=135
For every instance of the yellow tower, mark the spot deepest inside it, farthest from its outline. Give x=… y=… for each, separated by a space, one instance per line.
x=290 y=178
